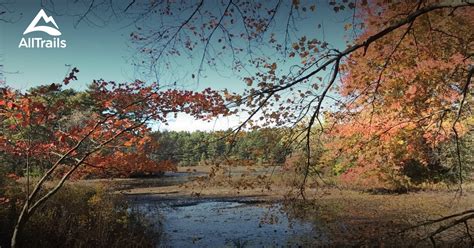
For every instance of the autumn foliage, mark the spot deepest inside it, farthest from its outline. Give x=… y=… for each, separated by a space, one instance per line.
x=402 y=94
x=104 y=128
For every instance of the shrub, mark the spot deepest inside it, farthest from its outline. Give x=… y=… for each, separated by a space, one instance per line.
x=79 y=216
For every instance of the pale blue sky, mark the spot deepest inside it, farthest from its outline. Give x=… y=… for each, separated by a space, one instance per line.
x=97 y=52
x=106 y=52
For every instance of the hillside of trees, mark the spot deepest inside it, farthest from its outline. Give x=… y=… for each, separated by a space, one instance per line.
x=257 y=147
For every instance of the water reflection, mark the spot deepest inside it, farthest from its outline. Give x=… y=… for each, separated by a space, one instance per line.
x=234 y=223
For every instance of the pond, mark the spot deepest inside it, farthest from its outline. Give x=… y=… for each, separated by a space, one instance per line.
x=225 y=223
x=221 y=221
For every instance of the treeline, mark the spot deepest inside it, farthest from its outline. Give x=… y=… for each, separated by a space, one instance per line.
x=262 y=146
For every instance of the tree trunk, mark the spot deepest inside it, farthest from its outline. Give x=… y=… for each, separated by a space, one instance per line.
x=19 y=225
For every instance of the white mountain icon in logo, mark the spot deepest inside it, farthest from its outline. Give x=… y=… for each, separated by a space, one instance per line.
x=47 y=19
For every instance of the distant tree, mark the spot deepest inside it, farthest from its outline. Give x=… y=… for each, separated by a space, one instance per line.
x=191 y=148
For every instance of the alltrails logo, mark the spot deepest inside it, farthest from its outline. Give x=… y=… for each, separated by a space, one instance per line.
x=38 y=42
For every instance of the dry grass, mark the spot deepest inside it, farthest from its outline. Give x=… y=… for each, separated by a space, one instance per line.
x=357 y=218
x=347 y=217
x=79 y=216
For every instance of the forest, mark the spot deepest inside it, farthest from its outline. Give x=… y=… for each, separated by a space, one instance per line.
x=262 y=146
x=238 y=124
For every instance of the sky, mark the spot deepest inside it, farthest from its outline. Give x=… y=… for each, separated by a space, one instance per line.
x=105 y=52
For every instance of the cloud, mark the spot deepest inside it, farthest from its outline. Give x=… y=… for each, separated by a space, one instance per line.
x=185 y=122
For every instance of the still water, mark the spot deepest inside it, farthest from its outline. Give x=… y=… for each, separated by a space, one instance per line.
x=230 y=223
